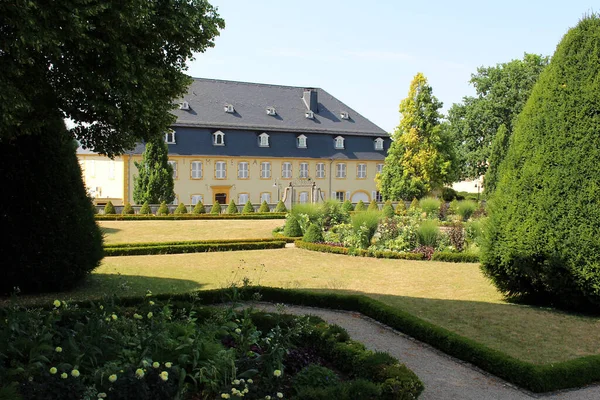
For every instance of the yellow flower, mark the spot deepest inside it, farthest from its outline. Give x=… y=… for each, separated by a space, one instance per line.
x=53 y=370
x=102 y=307
x=250 y=381
x=139 y=373
x=245 y=390
x=168 y=364
x=151 y=302
x=112 y=378
x=150 y=315
x=277 y=373
x=225 y=396
x=56 y=303
x=114 y=317
x=148 y=293
x=267 y=397
x=58 y=349
x=238 y=331
x=137 y=316
x=280 y=395
x=156 y=364
x=164 y=376
x=75 y=373
x=236 y=382
x=64 y=375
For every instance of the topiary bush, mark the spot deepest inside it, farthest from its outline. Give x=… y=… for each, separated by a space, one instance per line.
x=216 y=208
x=181 y=209
x=292 y=227
x=280 y=207
x=232 y=208
x=541 y=241
x=373 y=206
x=145 y=210
x=313 y=234
x=199 y=208
x=109 y=208
x=163 y=209
x=347 y=206
x=248 y=208
x=401 y=208
x=414 y=206
x=360 y=206
x=388 y=209
x=128 y=209
x=264 y=207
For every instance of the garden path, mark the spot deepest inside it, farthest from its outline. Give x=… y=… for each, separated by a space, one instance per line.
x=444 y=377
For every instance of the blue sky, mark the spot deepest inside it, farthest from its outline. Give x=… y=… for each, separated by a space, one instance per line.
x=366 y=53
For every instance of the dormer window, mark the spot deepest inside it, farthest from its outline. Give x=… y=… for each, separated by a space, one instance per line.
x=229 y=108
x=309 y=114
x=378 y=144
x=338 y=142
x=184 y=105
x=271 y=111
x=344 y=115
x=301 y=142
x=170 y=136
x=263 y=140
x=218 y=138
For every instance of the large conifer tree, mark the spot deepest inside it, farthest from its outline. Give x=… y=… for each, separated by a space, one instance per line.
x=154 y=183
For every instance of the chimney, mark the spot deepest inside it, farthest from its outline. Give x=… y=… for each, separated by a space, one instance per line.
x=310 y=99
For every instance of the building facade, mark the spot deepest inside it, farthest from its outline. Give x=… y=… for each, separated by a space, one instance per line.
x=247 y=141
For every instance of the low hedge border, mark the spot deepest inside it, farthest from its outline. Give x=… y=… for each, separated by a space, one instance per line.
x=455 y=257
x=536 y=378
x=325 y=248
x=170 y=217
x=188 y=242
x=190 y=248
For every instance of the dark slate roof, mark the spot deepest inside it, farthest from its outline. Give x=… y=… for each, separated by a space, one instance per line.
x=207 y=98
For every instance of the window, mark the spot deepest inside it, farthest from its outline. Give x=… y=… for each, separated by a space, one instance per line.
x=301 y=142
x=379 y=144
x=361 y=171
x=320 y=170
x=175 y=202
x=220 y=170
x=170 y=136
x=265 y=170
x=379 y=168
x=196 y=198
x=111 y=170
x=265 y=197
x=303 y=197
x=340 y=170
x=304 y=170
x=243 y=198
x=339 y=195
x=263 y=140
x=196 y=169
x=218 y=138
x=243 y=170
x=173 y=165
x=286 y=170
x=378 y=197
x=338 y=142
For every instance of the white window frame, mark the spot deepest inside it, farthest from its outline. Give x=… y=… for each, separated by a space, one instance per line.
x=265 y=170
x=220 y=170
x=303 y=170
x=339 y=195
x=361 y=171
x=340 y=170
x=218 y=138
x=301 y=142
x=379 y=168
x=286 y=170
x=338 y=142
x=196 y=169
x=243 y=198
x=265 y=196
x=263 y=140
x=243 y=170
x=197 y=198
x=378 y=144
x=170 y=137
x=320 y=171
x=173 y=164
x=378 y=196
x=303 y=197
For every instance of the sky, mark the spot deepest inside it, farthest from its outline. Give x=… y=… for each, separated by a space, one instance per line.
x=366 y=53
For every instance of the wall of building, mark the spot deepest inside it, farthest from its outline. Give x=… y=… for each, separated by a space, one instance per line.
x=103 y=177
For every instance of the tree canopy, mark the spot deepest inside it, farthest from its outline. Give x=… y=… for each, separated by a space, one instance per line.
x=421 y=157
x=501 y=93
x=154 y=183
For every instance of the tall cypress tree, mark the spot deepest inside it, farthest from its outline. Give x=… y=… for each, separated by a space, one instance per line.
x=154 y=183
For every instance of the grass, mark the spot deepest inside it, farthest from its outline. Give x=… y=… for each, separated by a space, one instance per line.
x=454 y=296
x=168 y=231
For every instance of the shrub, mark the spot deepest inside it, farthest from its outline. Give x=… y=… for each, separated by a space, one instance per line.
x=292 y=227
x=364 y=225
x=347 y=206
x=431 y=206
x=109 y=209
x=443 y=211
x=465 y=209
x=248 y=208
x=264 y=207
x=333 y=214
x=280 y=207
x=456 y=235
x=216 y=208
x=145 y=210
x=388 y=209
x=313 y=234
x=448 y=194
x=199 y=208
x=181 y=209
x=455 y=257
x=163 y=209
x=426 y=251
x=232 y=208
x=414 y=208
x=128 y=209
x=360 y=206
x=401 y=208
x=453 y=206
x=428 y=233
x=373 y=206
x=315 y=376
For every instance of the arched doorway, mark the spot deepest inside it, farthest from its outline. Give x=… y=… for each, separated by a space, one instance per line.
x=360 y=195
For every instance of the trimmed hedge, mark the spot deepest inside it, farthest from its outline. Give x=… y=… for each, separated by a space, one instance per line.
x=186 y=242
x=138 y=217
x=191 y=248
x=455 y=257
x=325 y=248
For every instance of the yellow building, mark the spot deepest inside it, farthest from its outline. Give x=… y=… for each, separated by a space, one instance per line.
x=246 y=141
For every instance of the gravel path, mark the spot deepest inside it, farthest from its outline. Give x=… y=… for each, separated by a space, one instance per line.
x=444 y=377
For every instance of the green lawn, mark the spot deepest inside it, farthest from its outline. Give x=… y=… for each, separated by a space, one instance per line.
x=454 y=296
x=163 y=231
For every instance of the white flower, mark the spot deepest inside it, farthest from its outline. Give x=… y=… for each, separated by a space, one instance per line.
x=56 y=303
x=280 y=395
x=238 y=331
x=155 y=364
x=112 y=378
x=277 y=373
x=164 y=376
x=75 y=373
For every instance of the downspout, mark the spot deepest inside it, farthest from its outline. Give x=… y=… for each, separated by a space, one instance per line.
x=330 y=187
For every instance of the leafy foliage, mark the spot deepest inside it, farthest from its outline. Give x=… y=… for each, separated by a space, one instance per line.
x=145 y=210
x=264 y=207
x=373 y=206
x=199 y=208
x=232 y=208
x=216 y=208
x=109 y=208
x=292 y=227
x=401 y=208
x=360 y=206
x=163 y=209
x=313 y=234
x=181 y=209
x=388 y=209
x=466 y=208
x=497 y=154
x=347 y=206
x=428 y=233
x=128 y=209
x=248 y=208
x=431 y=206
x=541 y=242
x=365 y=225
x=154 y=182
x=280 y=207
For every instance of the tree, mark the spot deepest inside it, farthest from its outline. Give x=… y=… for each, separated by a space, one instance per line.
x=248 y=208
x=497 y=154
x=501 y=93
x=421 y=158
x=114 y=69
x=541 y=240
x=154 y=182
